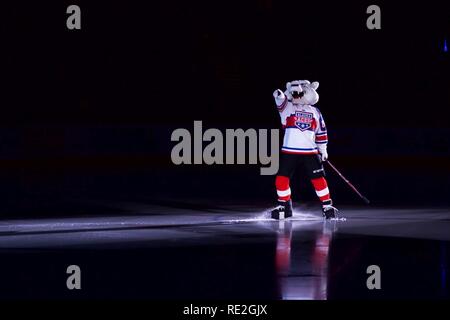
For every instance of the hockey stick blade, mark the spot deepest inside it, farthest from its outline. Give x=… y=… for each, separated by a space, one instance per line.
x=366 y=200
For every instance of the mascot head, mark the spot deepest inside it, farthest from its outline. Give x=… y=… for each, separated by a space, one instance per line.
x=302 y=92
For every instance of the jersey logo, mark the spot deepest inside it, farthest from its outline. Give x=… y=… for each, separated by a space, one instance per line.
x=304 y=120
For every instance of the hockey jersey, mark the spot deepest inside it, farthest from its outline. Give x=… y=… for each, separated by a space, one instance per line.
x=305 y=130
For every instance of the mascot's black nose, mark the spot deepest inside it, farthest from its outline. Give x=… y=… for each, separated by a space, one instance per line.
x=296 y=94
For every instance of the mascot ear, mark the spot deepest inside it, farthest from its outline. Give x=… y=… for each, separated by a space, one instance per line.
x=288 y=86
x=315 y=85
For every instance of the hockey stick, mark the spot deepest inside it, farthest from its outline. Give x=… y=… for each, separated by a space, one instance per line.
x=348 y=183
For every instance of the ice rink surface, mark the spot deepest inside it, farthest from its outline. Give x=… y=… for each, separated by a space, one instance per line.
x=164 y=251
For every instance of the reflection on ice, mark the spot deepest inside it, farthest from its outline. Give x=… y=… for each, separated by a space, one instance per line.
x=305 y=276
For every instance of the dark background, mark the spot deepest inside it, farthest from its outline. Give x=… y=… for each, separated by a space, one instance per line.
x=87 y=114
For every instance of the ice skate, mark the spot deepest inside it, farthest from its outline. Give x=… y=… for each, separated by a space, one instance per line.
x=282 y=211
x=329 y=211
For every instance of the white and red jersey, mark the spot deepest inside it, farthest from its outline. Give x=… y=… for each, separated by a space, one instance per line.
x=305 y=130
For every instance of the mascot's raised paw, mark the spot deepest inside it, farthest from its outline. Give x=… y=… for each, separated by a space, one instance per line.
x=278 y=94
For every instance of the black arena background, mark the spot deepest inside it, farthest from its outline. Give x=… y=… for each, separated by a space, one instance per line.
x=86 y=115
